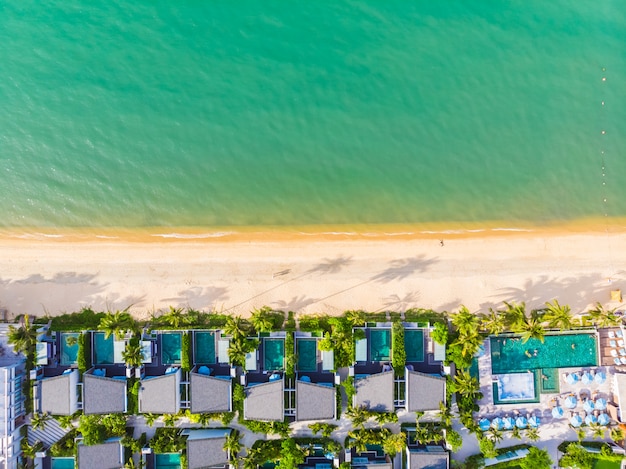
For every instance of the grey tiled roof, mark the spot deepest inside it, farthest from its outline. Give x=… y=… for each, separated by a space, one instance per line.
x=103 y=395
x=427 y=460
x=314 y=401
x=160 y=394
x=424 y=392
x=59 y=395
x=107 y=455
x=264 y=401
x=375 y=392
x=209 y=394
x=206 y=452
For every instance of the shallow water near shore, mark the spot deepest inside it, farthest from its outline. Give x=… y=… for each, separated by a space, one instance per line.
x=357 y=113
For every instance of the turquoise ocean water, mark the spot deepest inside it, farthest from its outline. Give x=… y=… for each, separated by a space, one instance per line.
x=222 y=113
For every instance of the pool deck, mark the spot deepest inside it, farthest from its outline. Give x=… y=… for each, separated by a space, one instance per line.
x=543 y=408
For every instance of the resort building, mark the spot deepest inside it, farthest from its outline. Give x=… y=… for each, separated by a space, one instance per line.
x=265 y=401
x=205 y=448
x=161 y=394
x=57 y=395
x=424 y=392
x=373 y=457
x=12 y=411
x=108 y=455
x=432 y=457
x=315 y=401
x=375 y=391
x=103 y=394
x=209 y=394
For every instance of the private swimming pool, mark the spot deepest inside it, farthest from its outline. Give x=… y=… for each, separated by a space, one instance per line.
x=167 y=461
x=62 y=463
x=380 y=344
x=414 y=345
x=204 y=347
x=307 y=354
x=69 y=348
x=273 y=354
x=102 y=349
x=512 y=354
x=170 y=348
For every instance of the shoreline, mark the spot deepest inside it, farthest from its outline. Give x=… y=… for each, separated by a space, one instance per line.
x=598 y=226
x=311 y=273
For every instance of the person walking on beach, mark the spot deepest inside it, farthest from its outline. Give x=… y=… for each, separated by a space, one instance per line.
x=441 y=242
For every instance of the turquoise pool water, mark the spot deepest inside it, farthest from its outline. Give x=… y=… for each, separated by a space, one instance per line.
x=62 y=463
x=102 y=349
x=307 y=354
x=511 y=354
x=517 y=388
x=167 y=461
x=204 y=347
x=171 y=347
x=273 y=354
x=414 y=345
x=380 y=344
x=69 y=348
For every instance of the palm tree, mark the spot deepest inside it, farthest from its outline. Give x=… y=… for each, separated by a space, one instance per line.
x=617 y=434
x=531 y=328
x=232 y=444
x=580 y=434
x=38 y=421
x=597 y=431
x=356 y=318
x=493 y=322
x=422 y=434
x=496 y=435
x=394 y=443
x=532 y=434
x=465 y=322
x=204 y=419
x=445 y=415
x=236 y=327
x=603 y=317
x=359 y=415
x=464 y=383
x=24 y=337
x=66 y=421
x=469 y=343
x=514 y=313
x=516 y=433
x=169 y=420
x=175 y=317
x=30 y=450
x=150 y=419
x=133 y=354
x=116 y=323
x=260 y=321
x=558 y=316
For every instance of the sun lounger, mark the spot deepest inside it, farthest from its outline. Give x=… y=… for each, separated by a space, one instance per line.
x=623 y=360
x=612 y=334
x=622 y=352
x=618 y=333
x=612 y=343
x=617 y=362
x=620 y=342
x=613 y=353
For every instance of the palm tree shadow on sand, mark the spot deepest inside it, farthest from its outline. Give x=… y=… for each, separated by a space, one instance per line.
x=296 y=303
x=198 y=297
x=331 y=266
x=400 y=269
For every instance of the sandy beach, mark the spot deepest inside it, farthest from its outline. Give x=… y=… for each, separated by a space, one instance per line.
x=310 y=274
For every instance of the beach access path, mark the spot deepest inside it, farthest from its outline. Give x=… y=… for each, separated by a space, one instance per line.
x=325 y=274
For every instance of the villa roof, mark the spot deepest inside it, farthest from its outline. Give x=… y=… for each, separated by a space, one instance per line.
x=59 y=394
x=315 y=401
x=424 y=392
x=160 y=394
x=264 y=401
x=210 y=394
x=375 y=392
x=205 y=448
x=103 y=395
x=108 y=455
x=428 y=460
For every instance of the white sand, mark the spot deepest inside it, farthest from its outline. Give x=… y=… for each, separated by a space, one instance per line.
x=310 y=274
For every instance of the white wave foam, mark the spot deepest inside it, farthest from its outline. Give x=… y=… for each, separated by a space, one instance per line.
x=194 y=235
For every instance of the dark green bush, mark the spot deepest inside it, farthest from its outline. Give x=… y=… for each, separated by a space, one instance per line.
x=398 y=353
x=84 y=352
x=186 y=359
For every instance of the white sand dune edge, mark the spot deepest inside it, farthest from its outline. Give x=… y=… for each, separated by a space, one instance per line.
x=38 y=276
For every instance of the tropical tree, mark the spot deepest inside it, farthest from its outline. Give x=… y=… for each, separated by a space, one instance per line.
x=493 y=322
x=465 y=322
x=496 y=434
x=580 y=434
x=150 y=419
x=464 y=383
x=422 y=434
x=603 y=317
x=355 y=318
x=576 y=456
x=394 y=443
x=530 y=328
x=39 y=421
x=24 y=337
x=175 y=317
x=445 y=415
x=536 y=459
x=133 y=354
x=232 y=444
x=260 y=320
x=597 y=431
x=487 y=447
x=468 y=344
x=291 y=454
x=169 y=420
x=514 y=313
x=516 y=433
x=116 y=323
x=237 y=350
x=31 y=450
x=359 y=415
x=532 y=434
x=236 y=327
x=617 y=434
x=558 y=315
x=66 y=421
x=454 y=440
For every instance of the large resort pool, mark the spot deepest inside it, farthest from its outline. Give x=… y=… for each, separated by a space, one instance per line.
x=513 y=355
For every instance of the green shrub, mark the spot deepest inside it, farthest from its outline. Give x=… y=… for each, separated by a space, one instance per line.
x=132 y=396
x=290 y=323
x=290 y=355
x=66 y=446
x=186 y=353
x=84 y=352
x=317 y=323
x=167 y=440
x=85 y=319
x=440 y=333
x=398 y=353
x=348 y=386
